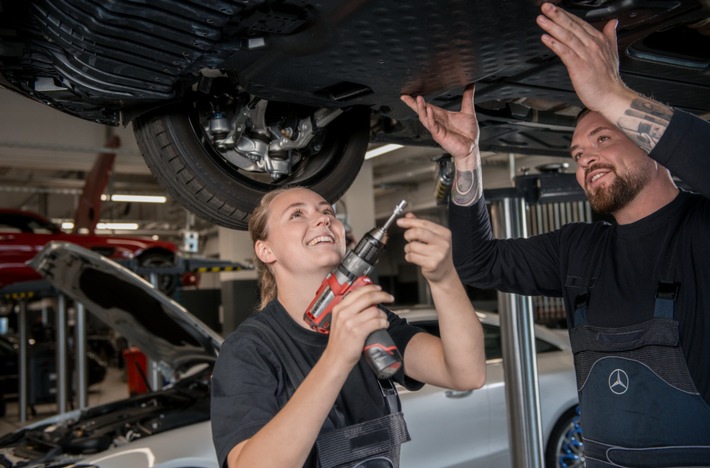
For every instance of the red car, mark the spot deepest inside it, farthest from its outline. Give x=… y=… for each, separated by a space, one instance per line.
x=24 y=233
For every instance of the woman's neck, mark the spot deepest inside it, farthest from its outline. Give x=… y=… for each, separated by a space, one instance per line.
x=296 y=294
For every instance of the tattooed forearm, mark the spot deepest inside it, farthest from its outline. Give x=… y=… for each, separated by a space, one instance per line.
x=468 y=187
x=645 y=122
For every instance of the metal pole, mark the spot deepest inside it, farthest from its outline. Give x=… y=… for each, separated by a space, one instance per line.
x=519 y=359
x=22 y=328
x=62 y=368
x=154 y=376
x=82 y=382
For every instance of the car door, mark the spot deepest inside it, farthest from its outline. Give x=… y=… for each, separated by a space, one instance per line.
x=448 y=428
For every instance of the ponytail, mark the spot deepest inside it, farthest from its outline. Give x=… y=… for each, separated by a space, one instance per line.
x=258 y=228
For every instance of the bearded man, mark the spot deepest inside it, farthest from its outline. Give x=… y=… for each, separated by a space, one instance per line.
x=636 y=291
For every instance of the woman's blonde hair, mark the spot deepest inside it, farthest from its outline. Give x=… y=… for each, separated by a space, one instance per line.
x=258 y=229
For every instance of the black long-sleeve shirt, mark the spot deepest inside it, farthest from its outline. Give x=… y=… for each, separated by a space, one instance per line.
x=635 y=260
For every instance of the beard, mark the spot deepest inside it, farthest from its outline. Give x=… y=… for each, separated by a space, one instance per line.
x=620 y=193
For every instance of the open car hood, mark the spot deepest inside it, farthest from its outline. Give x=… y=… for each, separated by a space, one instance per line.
x=161 y=328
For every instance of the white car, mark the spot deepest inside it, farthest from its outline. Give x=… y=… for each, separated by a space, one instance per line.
x=170 y=428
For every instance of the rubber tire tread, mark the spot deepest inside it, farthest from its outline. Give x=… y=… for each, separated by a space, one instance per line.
x=183 y=167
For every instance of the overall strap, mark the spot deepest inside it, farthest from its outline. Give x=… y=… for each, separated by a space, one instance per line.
x=389 y=393
x=581 y=301
x=667 y=289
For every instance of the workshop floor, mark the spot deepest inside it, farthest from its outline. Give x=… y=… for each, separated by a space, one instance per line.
x=113 y=387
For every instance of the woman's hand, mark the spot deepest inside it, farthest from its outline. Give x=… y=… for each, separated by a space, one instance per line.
x=456 y=360
x=353 y=320
x=428 y=246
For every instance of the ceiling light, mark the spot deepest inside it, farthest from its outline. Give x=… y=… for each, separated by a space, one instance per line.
x=139 y=198
x=118 y=226
x=380 y=150
x=68 y=226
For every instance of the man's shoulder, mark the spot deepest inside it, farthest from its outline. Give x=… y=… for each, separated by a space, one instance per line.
x=695 y=199
x=698 y=212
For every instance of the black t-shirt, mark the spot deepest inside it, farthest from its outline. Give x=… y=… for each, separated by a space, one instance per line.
x=250 y=384
x=635 y=260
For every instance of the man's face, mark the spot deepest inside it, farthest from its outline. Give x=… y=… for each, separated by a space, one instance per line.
x=611 y=169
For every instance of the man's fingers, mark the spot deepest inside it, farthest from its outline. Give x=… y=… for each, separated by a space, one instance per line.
x=418 y=105
x=566 y=29
x=467 y=99
x=609 y=32
x=568 y=22
x=409 y=101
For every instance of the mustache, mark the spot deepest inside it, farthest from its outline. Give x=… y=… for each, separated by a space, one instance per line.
x=597 y=166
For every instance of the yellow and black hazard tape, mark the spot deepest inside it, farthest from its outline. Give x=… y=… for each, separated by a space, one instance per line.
x=218 y=269
x=19 y=296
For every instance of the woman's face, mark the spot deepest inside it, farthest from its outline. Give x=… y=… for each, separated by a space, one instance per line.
x=303 y=232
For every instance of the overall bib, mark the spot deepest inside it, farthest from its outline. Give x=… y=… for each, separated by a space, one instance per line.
x=372 y=444
x=639 y=406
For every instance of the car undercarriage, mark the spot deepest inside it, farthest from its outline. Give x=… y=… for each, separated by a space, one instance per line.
x=230 y=99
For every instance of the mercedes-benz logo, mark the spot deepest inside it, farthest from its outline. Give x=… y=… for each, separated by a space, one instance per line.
x=618 y=381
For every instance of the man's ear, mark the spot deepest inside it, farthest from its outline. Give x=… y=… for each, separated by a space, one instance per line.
x=263 y=252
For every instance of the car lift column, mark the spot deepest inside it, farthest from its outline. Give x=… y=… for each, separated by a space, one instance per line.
x=155 y=379
x=62 y=368
x=23 y=356
x=519 y=357
x=82 y=381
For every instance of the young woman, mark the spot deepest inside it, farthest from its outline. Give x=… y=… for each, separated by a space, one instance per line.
x=286 y=396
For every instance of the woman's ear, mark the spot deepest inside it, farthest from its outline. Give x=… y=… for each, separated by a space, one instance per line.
x=263 y=252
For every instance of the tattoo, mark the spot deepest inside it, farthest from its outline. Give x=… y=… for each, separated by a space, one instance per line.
x=645 y=122
x=468 y=187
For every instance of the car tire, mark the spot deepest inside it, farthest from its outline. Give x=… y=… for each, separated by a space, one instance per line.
x=564 y=447
x=193 y=173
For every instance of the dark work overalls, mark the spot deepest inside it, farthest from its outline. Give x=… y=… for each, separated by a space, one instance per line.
x=371 y=444
x=639 y=405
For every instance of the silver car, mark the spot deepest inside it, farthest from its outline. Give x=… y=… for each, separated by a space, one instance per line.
x=170 y=428
x=456 y=429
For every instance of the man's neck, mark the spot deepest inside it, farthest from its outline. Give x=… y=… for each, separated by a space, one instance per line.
x=646 y=203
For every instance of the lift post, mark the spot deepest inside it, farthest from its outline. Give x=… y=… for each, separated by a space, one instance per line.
x=518 y=335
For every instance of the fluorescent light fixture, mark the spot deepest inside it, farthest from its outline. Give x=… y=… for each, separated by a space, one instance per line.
x=380 y=150
x=139 y=198
x=117 y=226
x=68 y=226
